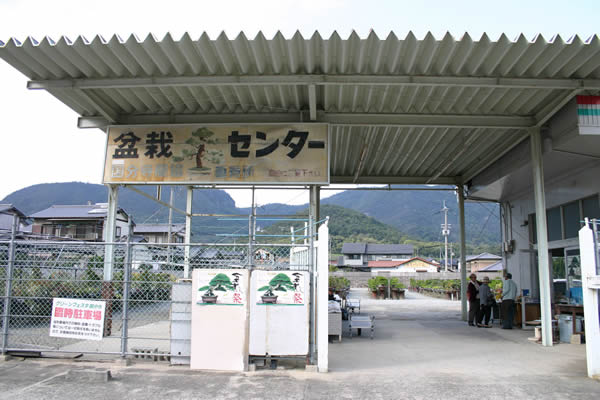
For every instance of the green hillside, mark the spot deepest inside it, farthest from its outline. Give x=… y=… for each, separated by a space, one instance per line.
x=378 y=216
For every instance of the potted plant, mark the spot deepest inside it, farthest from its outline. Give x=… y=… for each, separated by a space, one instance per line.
x=378 y=286
x=221 y=283
x=280 y=283
x=397 y=289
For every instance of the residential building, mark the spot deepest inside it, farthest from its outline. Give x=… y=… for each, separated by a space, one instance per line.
x=480 y=261
x=418 y=264
x=159 y=233
x=78 y=222
x=6 y=220
x=358 y=255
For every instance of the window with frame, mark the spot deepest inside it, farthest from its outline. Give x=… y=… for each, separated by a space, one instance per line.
x=565 y=220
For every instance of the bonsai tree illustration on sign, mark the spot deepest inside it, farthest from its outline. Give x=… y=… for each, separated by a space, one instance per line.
x=219 y=283
x=197 y=149
x=280 y=283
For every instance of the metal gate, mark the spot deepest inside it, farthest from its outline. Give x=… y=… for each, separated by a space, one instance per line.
x=139 y=302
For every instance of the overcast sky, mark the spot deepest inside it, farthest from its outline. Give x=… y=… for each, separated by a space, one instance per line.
x=40 y=139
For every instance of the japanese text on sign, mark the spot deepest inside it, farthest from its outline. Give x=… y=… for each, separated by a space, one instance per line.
x=78 y=319
x=218 y=154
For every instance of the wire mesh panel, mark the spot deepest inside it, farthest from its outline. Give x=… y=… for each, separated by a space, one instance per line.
x=44 y=271
x=138 y=300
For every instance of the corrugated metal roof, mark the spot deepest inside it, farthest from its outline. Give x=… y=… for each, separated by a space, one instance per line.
x=404 y=110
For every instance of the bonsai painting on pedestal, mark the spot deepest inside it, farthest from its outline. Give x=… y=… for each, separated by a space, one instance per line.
x=220 y=288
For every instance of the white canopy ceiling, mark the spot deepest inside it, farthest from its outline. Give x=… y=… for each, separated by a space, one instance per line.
x=401 y=110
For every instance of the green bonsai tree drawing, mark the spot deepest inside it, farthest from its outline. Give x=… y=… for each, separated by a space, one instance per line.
x=281 y=283
x=220 y=282
x=198 y=141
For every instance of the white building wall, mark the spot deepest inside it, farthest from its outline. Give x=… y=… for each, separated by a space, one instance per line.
x=571 y=186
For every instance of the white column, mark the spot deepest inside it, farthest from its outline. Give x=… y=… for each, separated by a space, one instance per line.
x=321 y=299
x=463 y=252
x=537 y=164
x=590 y=283
x=188 y=232
x=110 y=230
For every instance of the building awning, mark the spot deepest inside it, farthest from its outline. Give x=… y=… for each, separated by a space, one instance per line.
x=401 y=110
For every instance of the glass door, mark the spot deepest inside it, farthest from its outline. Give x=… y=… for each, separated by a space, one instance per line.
x=573 y=275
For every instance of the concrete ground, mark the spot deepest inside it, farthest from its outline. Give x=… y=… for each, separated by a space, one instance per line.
x=421 y=350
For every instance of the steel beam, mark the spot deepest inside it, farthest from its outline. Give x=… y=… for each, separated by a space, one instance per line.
x=393 y=180
x=316 y=79
x=339 y=119
x=312 y=101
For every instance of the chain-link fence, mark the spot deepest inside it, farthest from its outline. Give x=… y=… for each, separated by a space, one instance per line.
x=138 y=299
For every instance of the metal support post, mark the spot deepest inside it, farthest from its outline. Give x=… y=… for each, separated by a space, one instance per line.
x=110 y=230
x=109 y=239
x=8 y=285
x=315 y=203
x=535 y=141
x=313 y=292
x=126 y=285
x=188 y=232
x=251 y=232
x=170 y=228
x=463 y=252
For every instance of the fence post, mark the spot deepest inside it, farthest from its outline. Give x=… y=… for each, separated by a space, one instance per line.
x=8 y=287
x=126 y=283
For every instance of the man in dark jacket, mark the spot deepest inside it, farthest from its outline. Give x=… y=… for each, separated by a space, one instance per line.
x=473 y=297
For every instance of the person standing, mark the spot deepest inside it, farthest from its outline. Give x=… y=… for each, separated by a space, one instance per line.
x=485 y=303
x=473 y=297
x=509 y=294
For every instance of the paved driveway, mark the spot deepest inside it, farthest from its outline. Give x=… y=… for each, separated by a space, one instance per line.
x=421 y=350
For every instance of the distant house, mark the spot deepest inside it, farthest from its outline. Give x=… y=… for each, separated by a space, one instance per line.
x=159 y=233
x=78 y=222
x=476 y=263
x=496 y=267
x=358 y=255
x=418 y=264
x=384 y=265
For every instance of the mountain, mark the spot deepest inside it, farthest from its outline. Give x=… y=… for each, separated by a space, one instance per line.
x=418 y=213
x=414 y=214
x=346 y=225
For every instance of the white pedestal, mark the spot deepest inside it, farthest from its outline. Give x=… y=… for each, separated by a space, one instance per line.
x=280 y=328
x=220 y=331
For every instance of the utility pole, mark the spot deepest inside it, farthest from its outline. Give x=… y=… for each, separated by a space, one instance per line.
x=446 y=233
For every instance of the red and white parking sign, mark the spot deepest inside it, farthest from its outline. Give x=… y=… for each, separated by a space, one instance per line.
x=77 y=319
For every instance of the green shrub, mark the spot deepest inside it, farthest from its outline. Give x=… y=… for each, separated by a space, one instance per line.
x=338 y=282
x=395 y=283
x=376 y=281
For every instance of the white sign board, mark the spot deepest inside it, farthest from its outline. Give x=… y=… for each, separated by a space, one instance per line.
x=221 y=287
x=280 y=288
x=77 y=319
